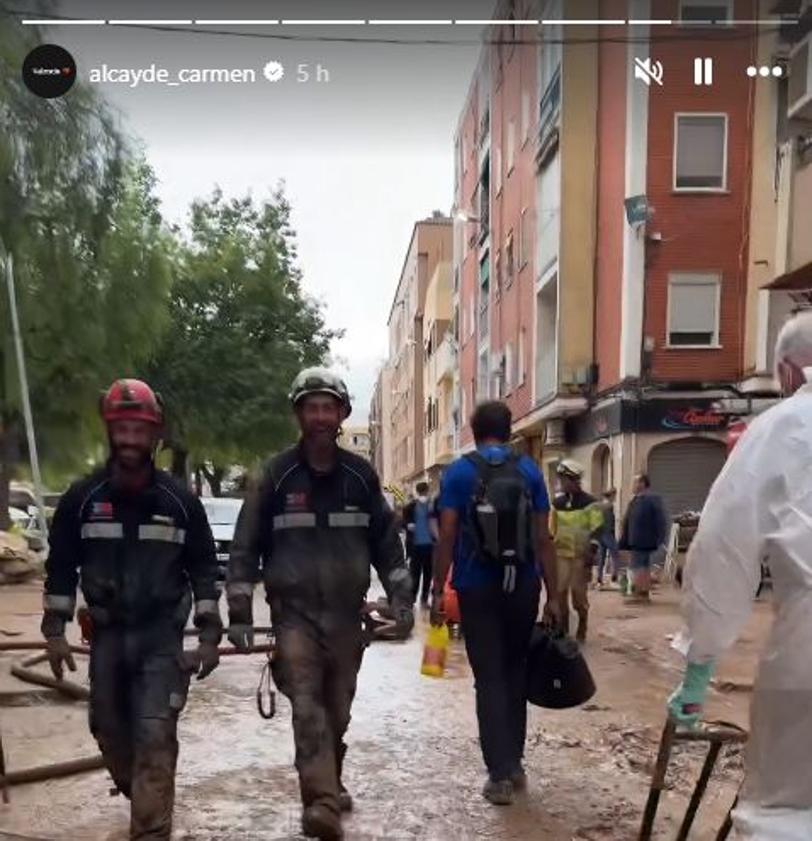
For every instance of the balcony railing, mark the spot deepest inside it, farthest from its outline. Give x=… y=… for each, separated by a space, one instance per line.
x=549 y=111
x=550 y=104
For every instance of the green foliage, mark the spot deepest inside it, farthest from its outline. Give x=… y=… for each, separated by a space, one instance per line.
x=241 y=327
x=79 y=217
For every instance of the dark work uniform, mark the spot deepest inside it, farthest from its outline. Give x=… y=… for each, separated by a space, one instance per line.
x=315 y=536
x=142 y=558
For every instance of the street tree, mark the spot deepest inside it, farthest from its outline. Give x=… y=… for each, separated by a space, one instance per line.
x=79 y=218
x=241 y=327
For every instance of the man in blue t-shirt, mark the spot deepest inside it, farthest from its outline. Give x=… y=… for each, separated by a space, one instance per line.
x=497 y=620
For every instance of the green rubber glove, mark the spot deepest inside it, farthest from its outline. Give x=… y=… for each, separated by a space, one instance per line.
x=686 y=703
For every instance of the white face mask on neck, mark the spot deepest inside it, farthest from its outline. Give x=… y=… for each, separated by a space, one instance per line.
x=423 y=499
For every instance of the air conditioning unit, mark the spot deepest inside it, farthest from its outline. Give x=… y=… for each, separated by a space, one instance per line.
x=554 y=433
x=799 y=99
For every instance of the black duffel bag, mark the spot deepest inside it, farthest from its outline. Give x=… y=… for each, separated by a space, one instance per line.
x=557 y=674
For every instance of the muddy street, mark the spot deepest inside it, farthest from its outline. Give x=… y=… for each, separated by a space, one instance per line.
x=414 y=765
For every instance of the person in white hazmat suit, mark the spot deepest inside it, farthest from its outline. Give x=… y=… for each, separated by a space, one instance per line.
x=761 y=506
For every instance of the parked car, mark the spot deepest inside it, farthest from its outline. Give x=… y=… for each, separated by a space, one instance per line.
x=27 y=524
x=222 y=513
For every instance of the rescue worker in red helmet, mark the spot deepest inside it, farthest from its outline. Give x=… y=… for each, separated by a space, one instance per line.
x=316 y=523
x=144 y=550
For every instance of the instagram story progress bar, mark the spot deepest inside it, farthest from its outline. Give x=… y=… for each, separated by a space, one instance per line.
x=65 y=20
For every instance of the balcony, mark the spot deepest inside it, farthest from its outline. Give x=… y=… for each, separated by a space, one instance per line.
x=445 y=443
x=444 y=360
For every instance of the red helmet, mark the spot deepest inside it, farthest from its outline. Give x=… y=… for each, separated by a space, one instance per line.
x=131 y=400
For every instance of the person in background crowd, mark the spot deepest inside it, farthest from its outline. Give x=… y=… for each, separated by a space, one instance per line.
x=421 y=530
x=644 y=533
x=607 y=538
x=575 y=521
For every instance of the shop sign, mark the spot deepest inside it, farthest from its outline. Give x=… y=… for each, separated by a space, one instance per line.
x=664 y=415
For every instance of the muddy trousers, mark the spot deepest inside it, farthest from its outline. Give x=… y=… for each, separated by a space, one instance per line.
x=138 y=686
x=573 y=582
x=318 y=670
x=497 y=628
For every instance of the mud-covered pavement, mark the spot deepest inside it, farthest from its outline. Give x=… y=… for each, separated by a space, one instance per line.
x=414 y=765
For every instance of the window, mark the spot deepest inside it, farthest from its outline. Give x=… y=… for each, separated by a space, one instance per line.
x=525 y=239
x=483 y=377
x=693 y=309
x=484 y=296
x=508 y=363
x=511 y=145
x=700 y=152
x=497 y=171
x=509 y=263
x=700 y=12
x=518 y=377
x=497 y=273
x=525 y=127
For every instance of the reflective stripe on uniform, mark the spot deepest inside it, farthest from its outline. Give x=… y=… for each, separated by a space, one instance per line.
x=60 y=604
x=399 y=574
x=102 y=531
x=348 y=519
x=239 y=588
x=206 y=606
x=300 y=520
x=166 y=534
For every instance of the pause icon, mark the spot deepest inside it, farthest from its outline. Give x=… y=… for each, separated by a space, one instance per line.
x=703 y=71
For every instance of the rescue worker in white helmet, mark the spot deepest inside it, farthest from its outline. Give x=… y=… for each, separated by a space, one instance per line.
x=575 y=519
x=315 y=525
x=761 y=506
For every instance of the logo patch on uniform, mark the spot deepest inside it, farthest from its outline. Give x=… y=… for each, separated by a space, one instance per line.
x=351 y=508
x=101 y=511
x=296 y=502
x=160 y=518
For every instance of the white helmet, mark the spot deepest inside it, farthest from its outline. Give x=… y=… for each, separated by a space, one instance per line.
x=320 y=381
x=570 y=468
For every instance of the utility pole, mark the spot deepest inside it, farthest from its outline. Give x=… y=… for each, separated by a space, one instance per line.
x=29 y=420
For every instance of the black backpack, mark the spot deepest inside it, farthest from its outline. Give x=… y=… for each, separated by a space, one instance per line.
x=501 y=514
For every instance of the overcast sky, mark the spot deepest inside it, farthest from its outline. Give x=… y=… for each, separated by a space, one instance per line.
x=363 y=156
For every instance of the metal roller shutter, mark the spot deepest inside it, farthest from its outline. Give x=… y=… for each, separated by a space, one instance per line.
x=683 y=471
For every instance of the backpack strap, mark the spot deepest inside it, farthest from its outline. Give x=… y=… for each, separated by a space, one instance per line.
x=483 y=469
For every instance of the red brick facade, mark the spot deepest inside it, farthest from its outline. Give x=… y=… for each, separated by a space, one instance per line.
x=698 y=232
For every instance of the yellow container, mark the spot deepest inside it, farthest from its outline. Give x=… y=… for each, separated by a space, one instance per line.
x=435 y=651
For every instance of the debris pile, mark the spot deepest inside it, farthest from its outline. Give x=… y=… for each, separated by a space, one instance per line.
x=17 y=562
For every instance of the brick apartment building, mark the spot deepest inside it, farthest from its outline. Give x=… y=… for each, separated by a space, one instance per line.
x=429 y=247
x=614 y=336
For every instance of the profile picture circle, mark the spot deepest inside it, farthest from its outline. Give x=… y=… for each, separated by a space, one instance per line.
x=49 y=71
